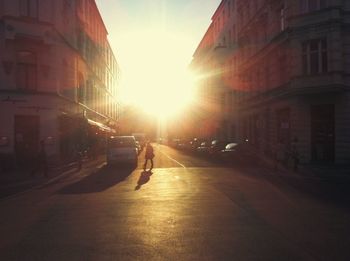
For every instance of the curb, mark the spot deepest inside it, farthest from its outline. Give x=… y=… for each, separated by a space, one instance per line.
x=303 y=173
x=34 y=184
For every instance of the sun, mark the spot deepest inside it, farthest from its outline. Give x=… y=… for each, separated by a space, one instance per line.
x=156 y=77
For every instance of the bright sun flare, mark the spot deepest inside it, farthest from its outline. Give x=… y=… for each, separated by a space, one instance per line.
x=155 y=77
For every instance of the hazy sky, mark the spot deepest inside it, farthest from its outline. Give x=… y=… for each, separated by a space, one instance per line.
x=152 y=37
x=188 y=18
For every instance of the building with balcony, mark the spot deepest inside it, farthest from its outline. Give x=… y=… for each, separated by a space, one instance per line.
x=58 y=78
x=280 y=74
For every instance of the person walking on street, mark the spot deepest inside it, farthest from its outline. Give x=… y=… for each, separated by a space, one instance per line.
x=149 y=155
x=40 y=163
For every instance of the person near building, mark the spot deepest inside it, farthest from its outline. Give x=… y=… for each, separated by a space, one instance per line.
x=149 y=155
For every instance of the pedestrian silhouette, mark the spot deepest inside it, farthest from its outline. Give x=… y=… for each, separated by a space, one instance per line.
x=149 y=155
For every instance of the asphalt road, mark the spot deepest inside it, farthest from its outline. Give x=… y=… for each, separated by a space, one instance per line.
x=188 y=208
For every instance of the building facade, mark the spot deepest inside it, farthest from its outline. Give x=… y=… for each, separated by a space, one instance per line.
x=282 y=76
x=58 y=77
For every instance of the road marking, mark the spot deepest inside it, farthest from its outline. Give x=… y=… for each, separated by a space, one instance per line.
x=166 y=155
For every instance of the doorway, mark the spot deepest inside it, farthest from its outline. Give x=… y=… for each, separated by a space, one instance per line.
x=322 y=133
x=26 y=139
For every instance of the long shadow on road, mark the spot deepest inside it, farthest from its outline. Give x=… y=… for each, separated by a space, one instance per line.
x=99 y=181
x=143 y=179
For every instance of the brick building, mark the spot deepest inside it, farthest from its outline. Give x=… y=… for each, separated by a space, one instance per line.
x=58 y=77
x=277 y=73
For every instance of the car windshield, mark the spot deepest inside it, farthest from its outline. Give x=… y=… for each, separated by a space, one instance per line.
x=231 y=146
x=121 y=142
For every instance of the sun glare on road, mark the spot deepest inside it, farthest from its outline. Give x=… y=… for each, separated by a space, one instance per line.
x=155 y=75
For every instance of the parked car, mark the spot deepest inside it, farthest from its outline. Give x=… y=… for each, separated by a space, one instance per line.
x=138 y=146
x=141 y=138
x=217 y=146
x=204 y=147
x=122 y=149
x=194 y=144
x=182 y=145
x=174 y=143
x=230 y=152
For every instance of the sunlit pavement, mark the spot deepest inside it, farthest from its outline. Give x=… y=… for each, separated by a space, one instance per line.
x=187 y=208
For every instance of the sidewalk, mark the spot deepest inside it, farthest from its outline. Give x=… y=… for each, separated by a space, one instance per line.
x=308 y=171
x=19 y=180
x=313 y=172
x=327 y=182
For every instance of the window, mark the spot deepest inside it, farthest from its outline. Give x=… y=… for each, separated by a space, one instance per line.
x=26 y=70
x=228 y=8
x=29 y=8
x=66 y=6
x=312 y=5
x=283 y=126
x=81 y=89
x=266 y=76
x=231 y=99
x=223 y=102
x=229 y=38
x=315 y=57
x=282 y=64
x=264 y=25
x=234 y=34
x=283 y=18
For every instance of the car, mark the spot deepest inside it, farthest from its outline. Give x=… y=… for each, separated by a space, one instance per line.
x=230 y=152
x=122 y=150
x=141 y=138
x=138 y=146
x=204 y=147
x=217 y=146
x=194 y=144
x=174 y=143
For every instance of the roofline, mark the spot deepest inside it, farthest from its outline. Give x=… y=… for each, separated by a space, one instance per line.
x=205 y=34
x=100 y=16
x=218 y=9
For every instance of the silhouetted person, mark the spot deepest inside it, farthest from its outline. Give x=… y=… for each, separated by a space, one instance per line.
x=40 y=163
x=149 y=155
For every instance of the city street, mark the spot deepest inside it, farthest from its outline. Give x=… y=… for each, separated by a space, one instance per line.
x=187 y=208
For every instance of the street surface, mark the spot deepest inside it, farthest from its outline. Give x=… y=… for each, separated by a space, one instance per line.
x=188 y=208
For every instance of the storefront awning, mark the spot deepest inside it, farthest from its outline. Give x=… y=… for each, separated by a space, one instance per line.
x=100 y=126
